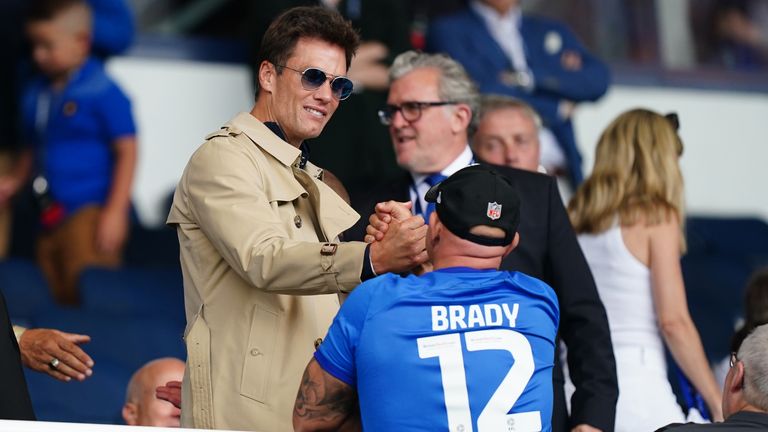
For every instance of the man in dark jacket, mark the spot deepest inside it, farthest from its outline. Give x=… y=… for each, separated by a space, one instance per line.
x=14 y=397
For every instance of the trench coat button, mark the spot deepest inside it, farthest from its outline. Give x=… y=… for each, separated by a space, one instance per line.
x=255 y=352
x=297 y=221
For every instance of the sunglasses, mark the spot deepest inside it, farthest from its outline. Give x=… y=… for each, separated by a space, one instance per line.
x=674 y=121
x=313 y=78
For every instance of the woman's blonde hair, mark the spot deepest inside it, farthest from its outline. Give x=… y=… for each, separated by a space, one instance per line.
x=636 y=175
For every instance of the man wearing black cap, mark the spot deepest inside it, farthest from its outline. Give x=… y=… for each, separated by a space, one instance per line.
x=430 y=105
x=465 y=347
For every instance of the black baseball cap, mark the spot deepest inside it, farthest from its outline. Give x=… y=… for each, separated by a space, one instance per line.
x=477 y=195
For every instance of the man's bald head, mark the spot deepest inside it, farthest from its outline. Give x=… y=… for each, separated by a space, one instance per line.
x=141 y=407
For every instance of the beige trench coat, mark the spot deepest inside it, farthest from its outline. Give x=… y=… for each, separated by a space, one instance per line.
x=262 y=272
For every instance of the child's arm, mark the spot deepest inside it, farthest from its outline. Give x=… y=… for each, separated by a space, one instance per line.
x=113 y=223
x=12 y=181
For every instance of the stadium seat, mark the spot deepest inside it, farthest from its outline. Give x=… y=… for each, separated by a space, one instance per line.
x=722 y=253
x=98 y=399
x=152 y=248
x=123 y=340
x=133 y=292
x=25 y=290
x=119 y=346
x=743 y=237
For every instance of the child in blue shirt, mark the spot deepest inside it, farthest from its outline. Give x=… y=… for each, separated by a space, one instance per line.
x=82 y=151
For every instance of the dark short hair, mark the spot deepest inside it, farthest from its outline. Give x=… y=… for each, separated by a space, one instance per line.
x=46 y=10
x=755 y=307
x=313 y=22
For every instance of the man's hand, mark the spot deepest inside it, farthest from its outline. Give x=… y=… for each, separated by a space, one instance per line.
x=402 y=247
x=40 y=346
x=735 y=26
x=170 y=392
x=377 y=226
x=585 y=428
x=8 y=187
x=112 y=230
x=368 y=69
x=379 y=221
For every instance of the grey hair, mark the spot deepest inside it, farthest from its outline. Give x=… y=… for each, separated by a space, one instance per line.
x=754 y=354
x=455 y=85
x=495 y=102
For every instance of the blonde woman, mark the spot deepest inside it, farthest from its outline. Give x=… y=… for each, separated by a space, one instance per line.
x=629 y=216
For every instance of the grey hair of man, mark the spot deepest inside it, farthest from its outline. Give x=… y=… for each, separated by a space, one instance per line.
x=494 y=102
x=754 y=354
x=455 y=85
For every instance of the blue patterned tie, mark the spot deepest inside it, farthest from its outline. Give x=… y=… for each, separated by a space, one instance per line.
x=432 y=180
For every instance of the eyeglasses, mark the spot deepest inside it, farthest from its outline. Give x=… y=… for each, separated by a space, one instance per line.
x=411 y=111
x=733 y=360
x=313 y=78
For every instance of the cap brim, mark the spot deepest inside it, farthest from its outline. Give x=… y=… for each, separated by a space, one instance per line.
x=432 y=193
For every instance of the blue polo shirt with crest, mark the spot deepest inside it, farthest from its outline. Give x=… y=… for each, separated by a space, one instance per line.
x=72 y=132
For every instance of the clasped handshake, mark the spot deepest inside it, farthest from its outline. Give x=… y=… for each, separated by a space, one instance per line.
x=397 y=238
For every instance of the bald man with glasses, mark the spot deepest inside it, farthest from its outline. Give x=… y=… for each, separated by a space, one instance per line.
x=745 y=392
x=259 y=234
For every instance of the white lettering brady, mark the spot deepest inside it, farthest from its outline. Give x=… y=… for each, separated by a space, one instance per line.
x=475 y=317
x=439 y=318
x=511 y=316
x=459 y=317
x=456 y=316
x=492 y=314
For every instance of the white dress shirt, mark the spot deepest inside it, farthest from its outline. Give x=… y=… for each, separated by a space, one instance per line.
x=505 y=29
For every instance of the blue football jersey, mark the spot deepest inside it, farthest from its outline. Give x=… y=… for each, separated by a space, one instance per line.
x=457 y=349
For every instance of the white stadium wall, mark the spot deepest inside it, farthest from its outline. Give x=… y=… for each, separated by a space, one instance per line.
x=725 y=135
x=178 y=102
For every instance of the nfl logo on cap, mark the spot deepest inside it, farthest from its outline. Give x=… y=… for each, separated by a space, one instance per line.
x=494 y=210
x=473 y=196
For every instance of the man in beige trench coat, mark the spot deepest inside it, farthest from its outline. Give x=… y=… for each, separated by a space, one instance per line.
x=258 y=231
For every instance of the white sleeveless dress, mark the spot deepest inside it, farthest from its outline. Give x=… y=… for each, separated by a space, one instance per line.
x=646 y=401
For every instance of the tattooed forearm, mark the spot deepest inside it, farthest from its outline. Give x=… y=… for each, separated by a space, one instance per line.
x=323 y=402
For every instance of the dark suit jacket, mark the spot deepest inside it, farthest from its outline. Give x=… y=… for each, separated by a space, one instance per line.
x=741 y=421
x=548 y=250
x=465 y=37
x=14 y=397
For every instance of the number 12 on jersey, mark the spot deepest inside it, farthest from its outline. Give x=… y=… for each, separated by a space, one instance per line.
x=494 y=417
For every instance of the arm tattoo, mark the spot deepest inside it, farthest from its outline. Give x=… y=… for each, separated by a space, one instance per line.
x=324 y=402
